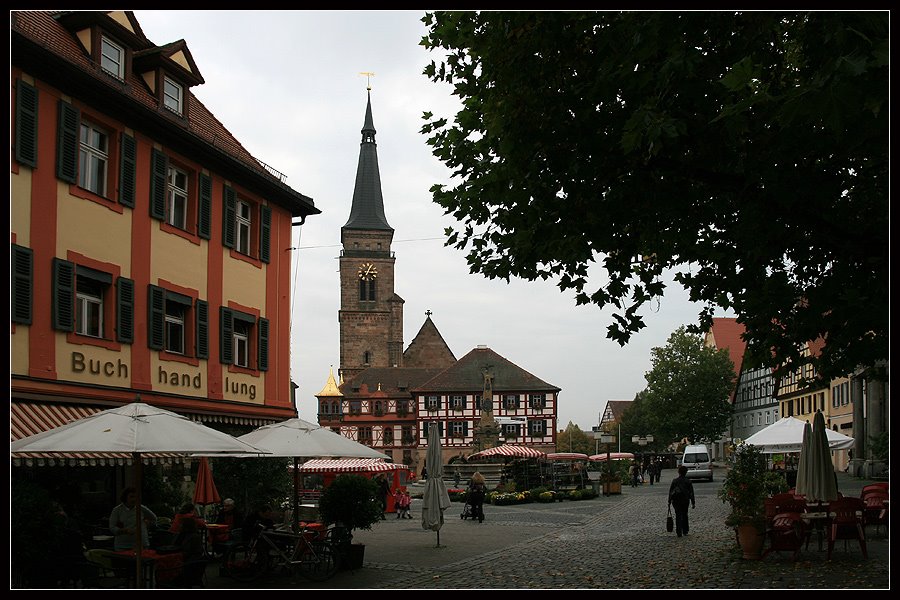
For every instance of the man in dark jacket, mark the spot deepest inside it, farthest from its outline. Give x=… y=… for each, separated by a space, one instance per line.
x=681 y=493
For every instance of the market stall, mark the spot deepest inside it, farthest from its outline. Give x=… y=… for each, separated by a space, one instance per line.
x=329 y=469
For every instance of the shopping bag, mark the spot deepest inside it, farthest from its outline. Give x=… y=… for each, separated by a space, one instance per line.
x=670 y=523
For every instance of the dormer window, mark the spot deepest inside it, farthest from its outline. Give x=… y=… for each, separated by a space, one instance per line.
x=112 y=58
x=173 y=96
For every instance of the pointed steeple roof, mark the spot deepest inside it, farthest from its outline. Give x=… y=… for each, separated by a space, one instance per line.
x=367 y=211
x=428 y=348
x=331 y=387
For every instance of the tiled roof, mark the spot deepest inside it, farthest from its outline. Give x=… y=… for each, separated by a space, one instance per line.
x=726 y=333
x=617 y=408
x=45 y=31
x=467 y=375
x=394 y=381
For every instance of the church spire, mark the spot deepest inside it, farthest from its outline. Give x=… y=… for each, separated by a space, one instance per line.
x=367 y=211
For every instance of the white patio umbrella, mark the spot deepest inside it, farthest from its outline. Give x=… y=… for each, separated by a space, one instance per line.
x=135 y=429
x=786 y=435
x=821 y=485
x=299 y=439
x=804 y=463
x=435 y=500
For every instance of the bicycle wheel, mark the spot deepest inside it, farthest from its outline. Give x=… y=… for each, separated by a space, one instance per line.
x=244 y=563
x=319 y=563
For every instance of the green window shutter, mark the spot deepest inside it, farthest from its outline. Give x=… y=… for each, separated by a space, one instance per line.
x=127 y=170
x=26 y=123
x=263 y=346
x=159 y=172
x=67 y=142
x=21 y=284
x=124 y=310
x=156 y=317
x=229 y=201
x=63 y=294
x=226 y=331
x=204 y=212
x=265 y=232
x=202 y=329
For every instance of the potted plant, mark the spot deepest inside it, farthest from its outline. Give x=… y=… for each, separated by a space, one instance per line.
x=746 y=487
x=350 y=502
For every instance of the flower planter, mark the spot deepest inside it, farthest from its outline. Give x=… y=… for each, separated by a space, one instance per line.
x=751 y=541
x=352 y=557
x=612 y=487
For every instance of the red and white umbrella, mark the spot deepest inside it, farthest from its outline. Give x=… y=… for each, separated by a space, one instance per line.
x=509 y=450
x=612 y=456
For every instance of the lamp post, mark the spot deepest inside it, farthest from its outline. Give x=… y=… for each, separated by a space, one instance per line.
x=642 y=440
x=608 y=439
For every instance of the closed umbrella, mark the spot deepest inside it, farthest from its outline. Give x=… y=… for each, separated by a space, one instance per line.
x=821 y=485
x=136 y=429
x=435 y=500
x=803 y=466
x=205 y=491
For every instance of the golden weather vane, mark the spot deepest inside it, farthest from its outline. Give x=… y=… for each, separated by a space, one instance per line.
x=368 y=75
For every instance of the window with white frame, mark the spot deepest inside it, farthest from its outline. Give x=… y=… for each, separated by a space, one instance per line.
x=432 y=402
x=89 y=307
x=93 y=156
x=175 y=316
x=457 y=429
x=112 y=58
x=457 y=402
x=537 y=428
x=173 y=96
x=241 y=338
x=242 y=227
x=177 y=198
x=511 y=401
x=510 y=431
x=537 y=401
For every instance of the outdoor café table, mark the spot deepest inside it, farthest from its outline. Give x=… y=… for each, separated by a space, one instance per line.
x=156 y=567
x=818 y=521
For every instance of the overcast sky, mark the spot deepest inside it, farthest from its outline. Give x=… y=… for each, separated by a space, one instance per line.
x=287 y=85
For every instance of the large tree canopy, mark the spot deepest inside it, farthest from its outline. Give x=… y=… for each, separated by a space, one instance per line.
x=744 y=153
x=688 y=390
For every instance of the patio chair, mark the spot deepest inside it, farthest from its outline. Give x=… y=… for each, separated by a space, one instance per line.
x=847 y=523
x=786 y=533
x=876 y=512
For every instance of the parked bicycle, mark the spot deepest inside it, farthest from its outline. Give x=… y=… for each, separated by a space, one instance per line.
x=308 y=552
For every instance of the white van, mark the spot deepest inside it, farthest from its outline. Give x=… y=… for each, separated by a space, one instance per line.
x=696 y=459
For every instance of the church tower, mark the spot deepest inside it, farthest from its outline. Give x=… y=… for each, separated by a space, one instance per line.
x=371 y=314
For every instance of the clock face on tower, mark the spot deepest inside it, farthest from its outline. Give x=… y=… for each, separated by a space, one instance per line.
x=367 y=271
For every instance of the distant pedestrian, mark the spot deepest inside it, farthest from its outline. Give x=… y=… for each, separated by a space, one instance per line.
x=384 y=490
x=681 y=493
x=456 y=479
x=635 y=473
x=651 y=472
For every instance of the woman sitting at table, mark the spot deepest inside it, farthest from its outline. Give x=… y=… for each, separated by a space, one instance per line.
x=187 y=513
x=122 y=522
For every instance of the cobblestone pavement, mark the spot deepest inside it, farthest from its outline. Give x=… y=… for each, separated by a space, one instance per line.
x=616 y=542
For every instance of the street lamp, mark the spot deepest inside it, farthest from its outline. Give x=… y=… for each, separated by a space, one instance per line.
x=608 y=439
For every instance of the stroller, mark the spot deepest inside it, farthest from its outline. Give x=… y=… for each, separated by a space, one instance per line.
x=468 y=511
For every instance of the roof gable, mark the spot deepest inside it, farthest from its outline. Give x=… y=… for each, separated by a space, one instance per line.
x=428 y=349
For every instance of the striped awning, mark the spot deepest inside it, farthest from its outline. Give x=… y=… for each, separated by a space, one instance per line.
x=612 y=456
x=509 y=450
x=567 y=456
x=31 y=418
x=349 y=465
